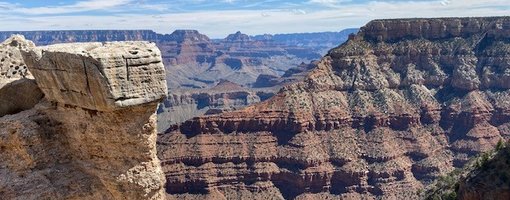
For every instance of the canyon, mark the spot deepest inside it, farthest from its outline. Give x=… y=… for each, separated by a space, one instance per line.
x=382 y=116
x=195 y=63
x=193 y=60
x=399 y=104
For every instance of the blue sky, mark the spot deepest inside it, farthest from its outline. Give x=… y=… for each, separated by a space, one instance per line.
x=217 y=18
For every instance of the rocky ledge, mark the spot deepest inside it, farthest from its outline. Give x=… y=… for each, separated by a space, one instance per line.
x=381 y=116
x=93 y=136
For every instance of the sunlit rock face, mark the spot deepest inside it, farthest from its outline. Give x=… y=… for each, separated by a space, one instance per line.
x=381 y=116
x=94 y=134
x=18 y=90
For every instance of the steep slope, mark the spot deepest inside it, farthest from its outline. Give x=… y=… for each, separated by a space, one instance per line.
x=491 y=180
x=186 y=53
x=399 y=104
x=486 y=176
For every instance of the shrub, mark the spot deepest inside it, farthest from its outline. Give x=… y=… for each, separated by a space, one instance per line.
x=450 y=196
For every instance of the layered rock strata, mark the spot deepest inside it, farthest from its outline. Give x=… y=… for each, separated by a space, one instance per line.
x=94 y=135
x=382 y=115
x=182 y=105
x=194 y=60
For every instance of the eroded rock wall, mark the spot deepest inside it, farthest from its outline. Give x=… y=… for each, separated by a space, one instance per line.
x=381 y=116
x=94 y=135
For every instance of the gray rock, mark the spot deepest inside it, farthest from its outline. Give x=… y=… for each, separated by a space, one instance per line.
x=99 y=76
x=18 y=90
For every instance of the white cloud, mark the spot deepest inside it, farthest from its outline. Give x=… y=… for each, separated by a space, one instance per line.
x=80 y=6
x=445 y=2
x=328 y=3
x=298 y=11
x=218 y=24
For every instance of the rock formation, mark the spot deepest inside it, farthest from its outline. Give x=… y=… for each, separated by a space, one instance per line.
x=381 y=116
x=182 y=105
x=18 y=90
x=193 y=60
x=94 y=135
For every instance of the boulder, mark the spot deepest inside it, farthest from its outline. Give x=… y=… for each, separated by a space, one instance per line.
x=99 y=76
x=18 y=90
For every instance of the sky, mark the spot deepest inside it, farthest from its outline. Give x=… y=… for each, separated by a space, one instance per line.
x=218 y=18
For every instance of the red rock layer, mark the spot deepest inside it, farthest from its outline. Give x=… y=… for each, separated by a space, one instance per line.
x=381 y=116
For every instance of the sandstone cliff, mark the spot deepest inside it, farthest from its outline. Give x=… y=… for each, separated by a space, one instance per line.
x=381 y=116
x=94 y=134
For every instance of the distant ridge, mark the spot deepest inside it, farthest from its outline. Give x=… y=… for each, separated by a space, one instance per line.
x=45 y=37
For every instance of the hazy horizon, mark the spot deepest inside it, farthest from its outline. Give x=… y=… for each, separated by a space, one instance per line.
x=218 y=18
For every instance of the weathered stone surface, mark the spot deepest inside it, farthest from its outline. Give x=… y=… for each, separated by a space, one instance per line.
x=99 y=76
x=18 y=90
x=381 y=116
x=103 y=149
x=56 y=152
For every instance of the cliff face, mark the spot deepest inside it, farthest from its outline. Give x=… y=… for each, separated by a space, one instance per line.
x=193 y=60
x=382 y=115
x=94 y=134
x=225 y=96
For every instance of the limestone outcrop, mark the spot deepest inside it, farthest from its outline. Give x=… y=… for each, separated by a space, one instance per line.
x=18 y=90
x=381 y=116
x=94 y=135
x=99 y=76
